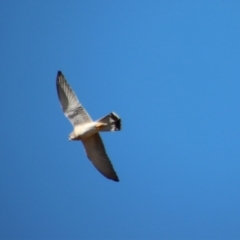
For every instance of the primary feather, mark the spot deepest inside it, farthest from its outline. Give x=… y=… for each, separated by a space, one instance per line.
x=71 y=106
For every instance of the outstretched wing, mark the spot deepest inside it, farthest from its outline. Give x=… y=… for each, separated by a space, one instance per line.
x=71 y=107
x=97 y=155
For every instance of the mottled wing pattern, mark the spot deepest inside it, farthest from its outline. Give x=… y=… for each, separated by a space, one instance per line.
x=71 y=107
x=96 y=153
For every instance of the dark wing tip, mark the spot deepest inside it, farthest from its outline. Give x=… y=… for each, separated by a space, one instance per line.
x=111 y=176
x=59 y=75
x=116 y=180
x=60 y=83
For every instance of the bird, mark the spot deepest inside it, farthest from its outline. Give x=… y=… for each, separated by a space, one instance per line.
x=86 y=130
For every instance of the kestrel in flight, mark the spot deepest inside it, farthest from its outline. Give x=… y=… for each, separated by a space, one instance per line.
x=87 y=130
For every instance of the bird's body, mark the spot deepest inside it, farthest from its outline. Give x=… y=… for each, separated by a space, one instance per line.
x=83 y=131
x=87 y=130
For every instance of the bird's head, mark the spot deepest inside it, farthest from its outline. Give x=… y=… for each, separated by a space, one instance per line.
x=71 y=136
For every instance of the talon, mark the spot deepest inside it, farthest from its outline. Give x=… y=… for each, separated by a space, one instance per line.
x=99 y=125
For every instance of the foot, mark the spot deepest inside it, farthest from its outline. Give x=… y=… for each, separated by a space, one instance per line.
x=99 y=125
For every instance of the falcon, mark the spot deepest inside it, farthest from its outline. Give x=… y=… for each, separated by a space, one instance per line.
x=87 y=130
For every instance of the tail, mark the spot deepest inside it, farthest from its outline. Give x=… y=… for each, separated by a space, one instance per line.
x=112 y=122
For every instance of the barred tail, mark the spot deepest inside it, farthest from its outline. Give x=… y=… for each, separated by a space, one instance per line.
x=112 y=122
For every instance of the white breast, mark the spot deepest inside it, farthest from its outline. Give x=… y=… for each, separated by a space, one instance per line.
x=85 y=130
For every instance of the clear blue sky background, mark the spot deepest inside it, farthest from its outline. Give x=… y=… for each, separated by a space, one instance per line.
x=171 y=70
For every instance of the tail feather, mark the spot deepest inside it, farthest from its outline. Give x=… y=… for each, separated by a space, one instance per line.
x=112 y=122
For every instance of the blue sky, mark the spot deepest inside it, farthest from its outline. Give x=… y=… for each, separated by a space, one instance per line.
x=170 y=69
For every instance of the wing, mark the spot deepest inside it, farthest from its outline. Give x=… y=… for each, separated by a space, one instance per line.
x=71 y=107
x=97 y=155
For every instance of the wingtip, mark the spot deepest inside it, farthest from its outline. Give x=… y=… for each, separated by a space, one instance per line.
x=59 y=77
x=59 y=73
x=116 y=179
